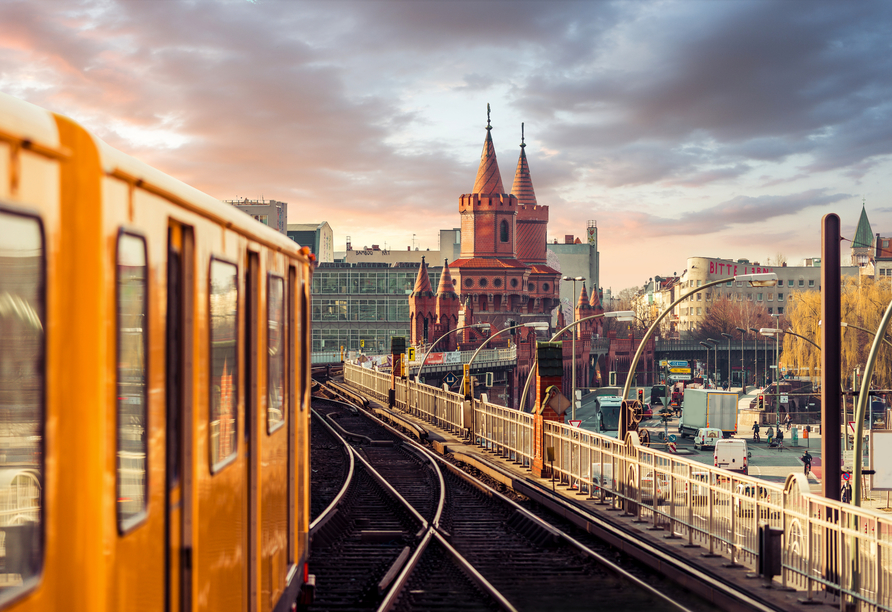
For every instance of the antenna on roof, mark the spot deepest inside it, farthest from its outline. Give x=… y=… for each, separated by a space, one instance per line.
x=488 y=126
x=522 y=143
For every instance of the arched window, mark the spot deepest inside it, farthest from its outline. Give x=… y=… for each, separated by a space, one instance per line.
x=503 y=233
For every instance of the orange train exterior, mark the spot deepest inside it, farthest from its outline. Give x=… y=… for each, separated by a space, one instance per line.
x=154 y=375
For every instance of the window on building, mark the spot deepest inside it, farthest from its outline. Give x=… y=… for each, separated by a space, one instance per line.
x=780 y=310
x=699 y=311
x=699 y=297
x=771 y=311
x=770 y=297
x=740 y=283
x=811 y=283
x=749 y=297
x=780 y=297
x=503 y=231
x=729 y=283
x=801 y=283
x=790 y=283
x=758 y=297
x=699 y=283
x=708 y=296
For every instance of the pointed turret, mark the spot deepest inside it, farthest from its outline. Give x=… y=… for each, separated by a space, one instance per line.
x=583 y=304
x=489 y=179
x=522 y=188
x=446 y=287
x=595 y=301
x=864 y=234
x=422 y=282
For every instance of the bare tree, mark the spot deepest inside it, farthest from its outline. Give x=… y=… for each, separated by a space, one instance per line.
x=726 y=315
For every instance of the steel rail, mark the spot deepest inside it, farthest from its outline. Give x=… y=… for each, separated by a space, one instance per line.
x=329 y=511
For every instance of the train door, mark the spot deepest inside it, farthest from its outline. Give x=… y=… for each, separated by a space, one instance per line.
x=252 y=441
x=178 y=396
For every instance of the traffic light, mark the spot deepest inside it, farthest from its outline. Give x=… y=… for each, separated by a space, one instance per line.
x=641 y=396
x=511 y=323
x=761 y=404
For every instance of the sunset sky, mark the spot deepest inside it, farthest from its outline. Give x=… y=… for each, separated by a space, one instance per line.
x=717 y=129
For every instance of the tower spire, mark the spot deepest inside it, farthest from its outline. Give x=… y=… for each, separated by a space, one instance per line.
x=489 y=179
x=522 y=188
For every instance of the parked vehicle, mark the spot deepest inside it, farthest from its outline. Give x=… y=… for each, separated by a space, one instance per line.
x=708 y=408
x=707 y=437
x=758 y=496
x=731 y=455
x=654 y=488
x=658 y=395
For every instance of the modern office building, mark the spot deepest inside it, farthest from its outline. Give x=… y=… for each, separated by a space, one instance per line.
x=268 y=212
x=361 y=306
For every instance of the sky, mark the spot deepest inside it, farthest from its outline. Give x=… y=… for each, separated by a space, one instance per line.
x=683 y=128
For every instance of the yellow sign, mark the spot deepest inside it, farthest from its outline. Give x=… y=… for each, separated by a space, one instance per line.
x=466 y=382
x=411 y=353
x=679 y=370
x=362 y=344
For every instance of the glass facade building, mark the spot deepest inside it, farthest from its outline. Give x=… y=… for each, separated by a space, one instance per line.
x=361 y=306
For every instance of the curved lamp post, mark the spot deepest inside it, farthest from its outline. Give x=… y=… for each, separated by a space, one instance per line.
x=768 y=279
x=538 y=325
x=862 y=399
x=574 y=280
x=451 y=331
x=622 y=315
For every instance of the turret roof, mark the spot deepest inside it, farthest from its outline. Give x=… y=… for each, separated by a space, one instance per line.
x=522 y=188
x=583 y=299
x=446 y=288
x=863 y=235
x=489 y=179
x=423 y=282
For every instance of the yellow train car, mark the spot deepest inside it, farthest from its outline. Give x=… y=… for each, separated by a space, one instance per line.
x=154 y=376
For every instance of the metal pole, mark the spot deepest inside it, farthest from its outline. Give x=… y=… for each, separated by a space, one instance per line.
x=573 y=374
x=776 y=381
x=830 y=362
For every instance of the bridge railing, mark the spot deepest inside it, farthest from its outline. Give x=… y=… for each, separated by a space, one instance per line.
x=833 y=551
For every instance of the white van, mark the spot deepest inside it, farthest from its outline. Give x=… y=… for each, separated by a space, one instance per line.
x=731 y=454
x=707 y=437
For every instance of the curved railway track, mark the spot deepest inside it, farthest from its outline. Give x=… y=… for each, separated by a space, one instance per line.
x=477 y=537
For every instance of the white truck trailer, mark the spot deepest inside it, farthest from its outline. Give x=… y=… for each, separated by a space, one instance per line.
x=708 y=408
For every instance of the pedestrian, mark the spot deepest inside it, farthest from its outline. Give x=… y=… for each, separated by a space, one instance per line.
x=770 y=435
x=756 y=431
x=780 y=439
x=845 y=494
x=806 y=459
x=788 y=421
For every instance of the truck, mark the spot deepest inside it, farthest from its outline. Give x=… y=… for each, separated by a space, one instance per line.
x=708 y=408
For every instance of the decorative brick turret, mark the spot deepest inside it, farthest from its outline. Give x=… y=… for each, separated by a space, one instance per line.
x=532 y=219
x=422 y=308
x=448 y=305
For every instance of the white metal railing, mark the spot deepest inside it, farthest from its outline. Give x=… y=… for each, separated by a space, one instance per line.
x=829 y=548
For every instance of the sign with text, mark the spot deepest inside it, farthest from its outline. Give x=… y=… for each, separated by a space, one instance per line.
x=678 y=364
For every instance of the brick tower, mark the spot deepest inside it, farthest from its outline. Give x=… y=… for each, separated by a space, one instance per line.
x=501 y=272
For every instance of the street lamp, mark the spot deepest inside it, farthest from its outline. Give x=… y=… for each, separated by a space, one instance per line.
x=715 y=366
x=622 y=315
x=537 y=325
x=729 y=336
x=574 y=280
x=765 y=348
x=773 y=331
x=742 y=353
x=708 y=346
x=767 y=279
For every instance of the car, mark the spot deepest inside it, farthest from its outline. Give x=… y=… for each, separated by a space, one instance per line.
x=647 y=488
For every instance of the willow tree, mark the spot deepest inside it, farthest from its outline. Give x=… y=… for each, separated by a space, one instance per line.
x=862 y=305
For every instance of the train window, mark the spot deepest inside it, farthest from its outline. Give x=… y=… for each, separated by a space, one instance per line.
x=304 y=371
x=223 y=362
x=22 y=323
x=131 y=359
x=275 y=345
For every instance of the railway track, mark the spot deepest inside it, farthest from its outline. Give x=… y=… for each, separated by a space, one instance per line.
x=501 y=555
